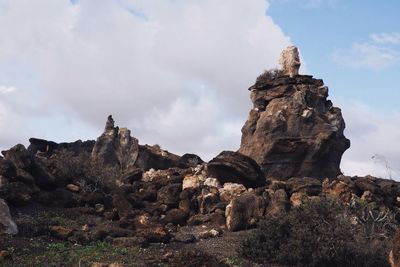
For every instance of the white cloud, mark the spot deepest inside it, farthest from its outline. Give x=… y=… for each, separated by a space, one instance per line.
x=386 y=38
x=175 y=72
x=7 y=89
x=374 y=142
x=374 y=54
x=367 y=56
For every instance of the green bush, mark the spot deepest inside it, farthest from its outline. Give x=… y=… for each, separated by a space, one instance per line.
x=318 y=233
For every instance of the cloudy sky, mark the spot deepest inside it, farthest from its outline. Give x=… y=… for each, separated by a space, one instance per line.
x=176 y=72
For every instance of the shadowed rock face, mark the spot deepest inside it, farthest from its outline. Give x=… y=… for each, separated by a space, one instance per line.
x=116 y=146
x=7 y=226
x=293 y=130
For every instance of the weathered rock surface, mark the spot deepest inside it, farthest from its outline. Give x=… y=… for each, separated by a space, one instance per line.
x=234 y=167
x=290 y=61
x=244 y=211
x=293 y=130
x=116 y=146
x=7 y=225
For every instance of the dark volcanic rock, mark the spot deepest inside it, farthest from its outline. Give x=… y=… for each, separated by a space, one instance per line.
x=293 y=130
x=48 y=148
x=19 y=156
x=153 y=157
x=306 y=185
x=7 y=169
x=234 y=167
x=190 y=160
x=244 y=211
x=116 y=146
x=169 y=195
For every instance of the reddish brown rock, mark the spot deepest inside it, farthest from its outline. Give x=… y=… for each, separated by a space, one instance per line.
x=293 y=130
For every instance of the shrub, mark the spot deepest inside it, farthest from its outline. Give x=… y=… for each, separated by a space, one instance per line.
x=91 y=175
x=318 y=233
x=269 y=75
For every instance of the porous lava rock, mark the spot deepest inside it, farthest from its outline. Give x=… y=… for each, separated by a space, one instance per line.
x=116 y=146
x=293 y=130
x=234 y=167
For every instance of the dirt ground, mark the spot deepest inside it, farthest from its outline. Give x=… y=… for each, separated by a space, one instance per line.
x=34 y=246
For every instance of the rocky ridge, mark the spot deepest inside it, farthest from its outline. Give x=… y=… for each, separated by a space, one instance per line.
x=120 y=192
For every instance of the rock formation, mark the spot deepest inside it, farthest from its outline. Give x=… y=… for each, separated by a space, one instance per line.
x=293 y=130
x=7 y=226
x=290 y=61
x=116 y=146
x=234 y=167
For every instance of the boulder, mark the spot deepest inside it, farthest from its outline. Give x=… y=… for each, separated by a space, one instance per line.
x=116 y=147
x=293 y=130
x=189 y=160
x=235 y=167
x=169 y=194
x=244 y=211
x=212 y=182
x=176 y=217
x=18 y=194
x=306 y=185
x=122 y=205
x=191 y=181
x=153 y=157
x=7 y=169
x=19 y=156
x=230 y=191
x=342 y=188
x=7 y=225
x=279 y=203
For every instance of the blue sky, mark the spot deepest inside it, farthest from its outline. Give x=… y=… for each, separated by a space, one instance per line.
x=323 y=28
x=176 y=72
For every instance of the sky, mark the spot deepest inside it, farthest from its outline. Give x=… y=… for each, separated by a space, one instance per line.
x=176 y=72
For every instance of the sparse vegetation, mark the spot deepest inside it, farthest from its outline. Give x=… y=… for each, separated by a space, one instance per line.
x=91 y=175
x=269 y=75
x=318 y=233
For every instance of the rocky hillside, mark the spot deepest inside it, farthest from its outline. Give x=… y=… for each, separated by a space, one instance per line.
x=126 y=195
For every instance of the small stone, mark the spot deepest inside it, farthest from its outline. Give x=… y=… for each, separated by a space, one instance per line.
x=73 y=188
x=60 y=231
x=184 y=238
x=99 y=208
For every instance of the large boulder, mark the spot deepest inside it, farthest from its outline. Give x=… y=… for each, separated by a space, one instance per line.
x=293 y=130
x=116 y=147
x=234 y=167
x=153 y=157
x=7 y=225
x=19 y=156
x=244 y=211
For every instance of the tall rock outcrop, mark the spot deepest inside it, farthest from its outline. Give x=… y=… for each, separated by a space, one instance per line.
x=116 y=146
x=293 y=130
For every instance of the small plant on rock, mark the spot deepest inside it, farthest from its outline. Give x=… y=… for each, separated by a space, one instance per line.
x=269 y=75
